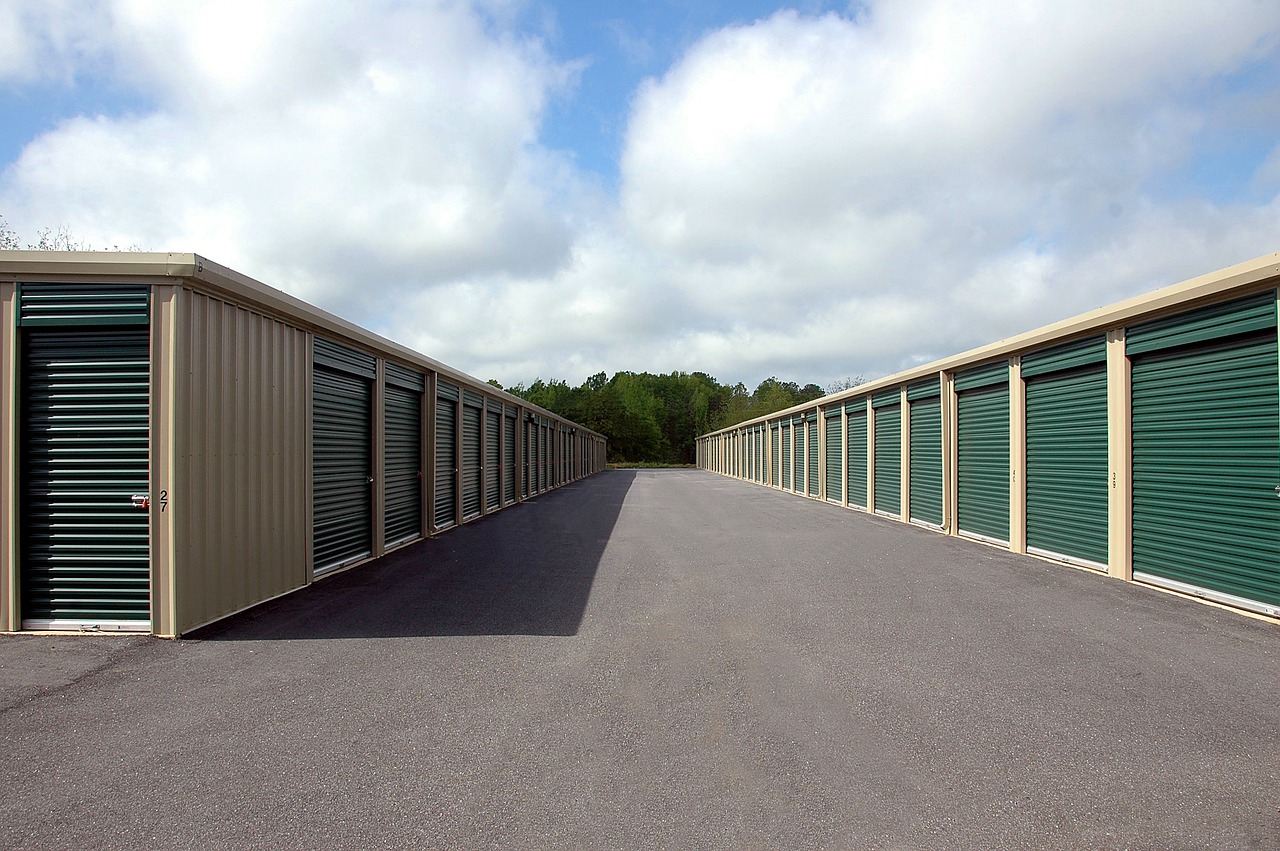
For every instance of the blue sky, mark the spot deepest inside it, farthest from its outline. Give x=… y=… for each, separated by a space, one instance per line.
x=530 y=188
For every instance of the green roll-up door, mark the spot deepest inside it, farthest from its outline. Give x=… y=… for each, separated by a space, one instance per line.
x=472 y=460
x=856 y=456
x=1205 y=473
x=342 y=454
x=85 y=546
x=925 y=463
x=446 y=455
x=786 y=457
x=835 y=456
x=814 y=460
x=527 y=447
x=888 y=491
x=775 y=449
x=982 y=499
x=1067 y=465
x=544 y=455
x=509 y=459
x=493 y=460
x=403 y=485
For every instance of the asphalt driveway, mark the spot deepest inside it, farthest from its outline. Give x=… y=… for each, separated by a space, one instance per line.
x=661 y=659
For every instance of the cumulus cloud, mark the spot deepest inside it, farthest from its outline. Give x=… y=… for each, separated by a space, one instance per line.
x=807 y=196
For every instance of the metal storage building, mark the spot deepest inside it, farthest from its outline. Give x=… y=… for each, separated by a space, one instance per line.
x=179 y=442
x=1140 y=440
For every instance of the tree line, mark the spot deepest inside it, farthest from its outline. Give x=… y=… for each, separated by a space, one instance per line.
x=655 y=418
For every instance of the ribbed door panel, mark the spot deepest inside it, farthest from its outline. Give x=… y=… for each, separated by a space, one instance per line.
x=926 y=460
x=471 y=461
x=85 y=549
x=889 y=459
x=982 y=502
x=835 y=459
x=856 y=458
x=1206 y=440
x=403 y=485
x=446 y=462
x=812 y=471
x=493 y=460
x=1067 y=466
x=341 y=440
x=509 y=459
x=798 y=453
x=775 y=449
x=786 y=457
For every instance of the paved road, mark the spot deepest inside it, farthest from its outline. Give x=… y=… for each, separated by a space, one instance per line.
x=664 y=659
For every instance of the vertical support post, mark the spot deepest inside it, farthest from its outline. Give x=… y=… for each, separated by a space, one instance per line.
x=871 y=455
x=904 y=456
x=1120 y=458
x=379 y=460
x=167 y=497
x=950 y=454
x=1017 y=457
x=429 y=456
x=822 y=454
x=10 y=616
x=844 y=455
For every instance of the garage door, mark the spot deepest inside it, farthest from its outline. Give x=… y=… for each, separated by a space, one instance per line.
x=403 y=480
x=85 y=400
x=342 y=454
x=856 y=453
x=982 y=499
x=786 y=456
x=813 y=468
x=835 y=454
x=775 y=449
x=446 y=492
x=1067 y=465
x=493 y=459
x=1206 y=440
x=472 y=467
x=509 y=457
x=888 y=490
x=925 y=470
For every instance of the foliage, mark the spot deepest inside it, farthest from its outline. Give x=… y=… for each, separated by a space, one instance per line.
x=654 y=418
x=48 y=240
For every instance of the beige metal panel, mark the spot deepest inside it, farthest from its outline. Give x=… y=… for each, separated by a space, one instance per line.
x=380 y=459
x=1120 y=455
x=203 y=275
x=1017 y=457
x=166 y=367
x=10 y=618
x=950 y=452
x=871 y=457
x=241 y=494
x=904 y=456
x=1251 y=276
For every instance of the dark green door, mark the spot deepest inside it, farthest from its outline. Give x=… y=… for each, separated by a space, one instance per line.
x=472 y=461
x=403 y=486
x=982 y=501
x=775 y=450
x=856 y=456
x=85 y=546
x=813 y=467
x=1067 y=466
x=786 y=457
x=492 y=460
x=835 y=459
x=1205 y=472
x=888 y=492
x=925 y=462
x=342 y=452
x=446 y=455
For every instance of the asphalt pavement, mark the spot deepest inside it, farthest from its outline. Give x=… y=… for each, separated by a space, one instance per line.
x=661 y=660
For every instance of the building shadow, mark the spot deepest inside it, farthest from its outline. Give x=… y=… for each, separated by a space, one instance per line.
x=526 y=570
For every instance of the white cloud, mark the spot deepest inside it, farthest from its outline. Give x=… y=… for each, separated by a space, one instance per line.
x=812 y=197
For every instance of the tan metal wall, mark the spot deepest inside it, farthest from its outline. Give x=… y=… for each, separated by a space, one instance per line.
x=238 y=497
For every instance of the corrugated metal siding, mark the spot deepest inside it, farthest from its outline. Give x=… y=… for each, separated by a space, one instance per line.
x=1232 y=318
x=493 y=460
x=403 y=485
x=983 y=376
x=345 y=359
x=835 y=456
x=856 y=457
x=982 y=500
x=1087 y=352
x=888 y=493
x=1067 y=465
x=404 y=377
x=342 y=454
x=239 y=494
x=446 y=455
x=775 y=447
x=85 y=548
x=925 y=474
x=1206 y=465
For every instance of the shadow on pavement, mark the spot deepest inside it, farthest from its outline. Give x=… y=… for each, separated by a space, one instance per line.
x=527 y=570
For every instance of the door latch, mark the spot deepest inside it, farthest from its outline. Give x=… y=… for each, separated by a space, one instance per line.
x=143 y=500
